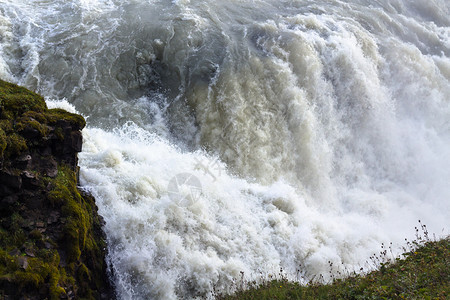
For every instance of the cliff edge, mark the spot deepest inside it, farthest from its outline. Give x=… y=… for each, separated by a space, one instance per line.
x=52 y=245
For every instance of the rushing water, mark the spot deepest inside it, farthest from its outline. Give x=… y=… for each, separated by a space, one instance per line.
x=246 y=136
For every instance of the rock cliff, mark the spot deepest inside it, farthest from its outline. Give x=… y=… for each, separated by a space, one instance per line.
x=51 y=245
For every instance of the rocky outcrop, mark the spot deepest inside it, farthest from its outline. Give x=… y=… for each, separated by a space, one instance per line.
x=51 y=245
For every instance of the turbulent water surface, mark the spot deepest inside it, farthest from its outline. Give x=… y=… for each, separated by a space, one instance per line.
x=246 y=136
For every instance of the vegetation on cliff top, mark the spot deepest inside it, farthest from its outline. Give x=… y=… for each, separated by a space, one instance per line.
x=24 y=117
x=51 y=243
x=422 y=273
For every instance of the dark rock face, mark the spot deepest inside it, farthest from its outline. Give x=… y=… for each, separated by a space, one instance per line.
x=52 y=245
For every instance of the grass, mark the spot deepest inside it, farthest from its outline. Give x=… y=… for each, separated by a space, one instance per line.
x=422 y=272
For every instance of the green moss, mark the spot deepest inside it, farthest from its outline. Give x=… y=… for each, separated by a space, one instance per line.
x=28 y=123
x=35 y=235
x=6 y=125
x=83 y=273
x=25 y=122
x=32 y=279
x=17 y=100
x=56 y=114
x=55 y=290
x=15 y=145
x=7 y=262
x=34 y=275
x=74 y=210
x=79 y=238
x=24 y=113
x=59 y=133
x=3 y=142
x=17 y=236
x=38 y=116
x=43 y=270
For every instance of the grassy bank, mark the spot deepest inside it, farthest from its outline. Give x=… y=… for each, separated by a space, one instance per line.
x=423 y=272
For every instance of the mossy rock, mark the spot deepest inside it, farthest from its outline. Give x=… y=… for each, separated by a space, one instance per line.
x=16 y=100
x=41 y=257
x=3 y=142
x=83 y=268
x=25 y=120
x=55 y=115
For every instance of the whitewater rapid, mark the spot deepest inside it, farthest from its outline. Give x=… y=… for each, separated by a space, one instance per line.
x=234 y=139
